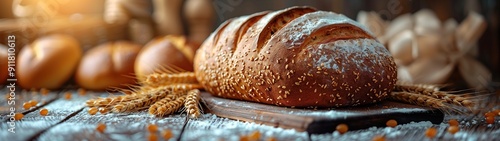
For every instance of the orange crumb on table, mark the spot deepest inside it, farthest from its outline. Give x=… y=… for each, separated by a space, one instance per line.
x=431 y=132
x=490 y=119
x=101 y=127
x=342 y=128
x=26 y=105
x=67 y=95
x=167 y=134
x=453 y=122
x=152 y=128
x=18 y=116
x=453 y=129
x=44 y=112
x=391 y=123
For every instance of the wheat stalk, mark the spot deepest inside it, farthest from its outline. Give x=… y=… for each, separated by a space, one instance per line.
x=418 y=99
x=143 y=100
x=192 y=102
x=424 y=90
x=162 y=79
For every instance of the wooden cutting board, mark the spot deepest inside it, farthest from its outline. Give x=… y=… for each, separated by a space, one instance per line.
x=321 y=120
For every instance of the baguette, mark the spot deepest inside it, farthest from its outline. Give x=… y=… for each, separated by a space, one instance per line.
x=296 y=57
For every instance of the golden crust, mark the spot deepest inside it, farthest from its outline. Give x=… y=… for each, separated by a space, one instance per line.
x=296 y=57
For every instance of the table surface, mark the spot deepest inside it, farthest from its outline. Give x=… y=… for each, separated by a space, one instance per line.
x=68 y=119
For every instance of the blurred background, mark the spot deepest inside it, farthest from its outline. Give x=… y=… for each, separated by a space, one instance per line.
x=86 y=20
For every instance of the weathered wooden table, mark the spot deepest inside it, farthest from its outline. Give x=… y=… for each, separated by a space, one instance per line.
x=68 y=119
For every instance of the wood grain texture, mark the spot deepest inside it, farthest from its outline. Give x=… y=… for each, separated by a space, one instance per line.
x=69 y=120
x=21 y=97
x=33 y=123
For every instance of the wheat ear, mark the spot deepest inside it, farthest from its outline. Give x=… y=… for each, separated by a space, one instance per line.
x=144 y=100
x=162 y=79
x=110 y=101
x=418 y=99
x=168 y=106
x=192 y=102
x=168 y=98
x=448 y=98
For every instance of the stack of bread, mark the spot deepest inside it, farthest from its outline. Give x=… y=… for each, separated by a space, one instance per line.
x=427 y=50
x=52 y=61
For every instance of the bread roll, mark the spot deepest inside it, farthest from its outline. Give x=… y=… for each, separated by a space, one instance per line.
x=110 y=65
x=4 y=73
x=296 y=57
x=167 y=51
x=48 y=62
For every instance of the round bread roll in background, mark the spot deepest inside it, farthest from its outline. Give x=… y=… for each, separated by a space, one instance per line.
x=4 y=74
x=110 y=65
x=168 y=51
x=48 y=62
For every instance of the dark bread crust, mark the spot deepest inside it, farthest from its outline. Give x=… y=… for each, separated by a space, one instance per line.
x=295 y=57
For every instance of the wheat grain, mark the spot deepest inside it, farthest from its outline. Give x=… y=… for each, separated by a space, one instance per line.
x=192 y=102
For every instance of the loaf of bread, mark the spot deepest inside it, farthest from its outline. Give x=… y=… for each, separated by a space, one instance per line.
x=48 y=62
x=4 y=73
x=166 y=51
x=296 y=57
x=110 y=65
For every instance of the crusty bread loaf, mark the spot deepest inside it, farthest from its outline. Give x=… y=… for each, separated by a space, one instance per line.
x=48 y=62
x=165 y=51
x=110 y=65
x=296 y=57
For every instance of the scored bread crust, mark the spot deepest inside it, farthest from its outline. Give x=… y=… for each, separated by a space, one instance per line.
x=296 y=57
